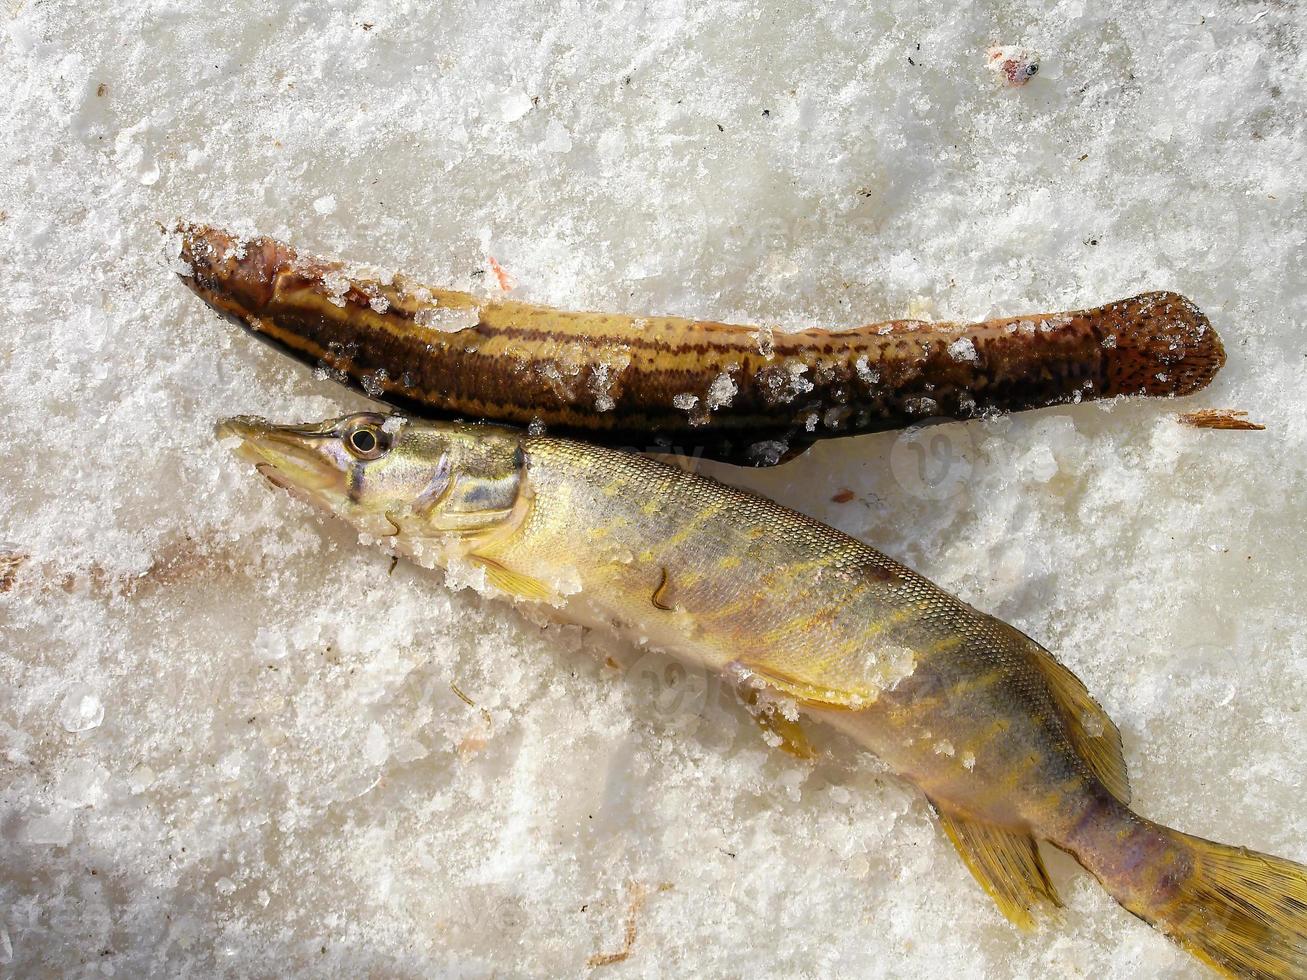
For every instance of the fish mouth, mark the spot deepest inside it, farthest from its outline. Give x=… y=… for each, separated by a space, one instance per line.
x=237 y=276
x=295 y=458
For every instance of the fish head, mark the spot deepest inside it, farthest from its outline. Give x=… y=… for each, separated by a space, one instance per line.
x=413 y=481
x=234 y=275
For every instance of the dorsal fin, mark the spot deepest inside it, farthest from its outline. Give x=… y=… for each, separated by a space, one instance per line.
x=1092 y=732
x=1005 y=862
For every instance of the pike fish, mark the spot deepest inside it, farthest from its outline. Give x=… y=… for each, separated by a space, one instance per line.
x=742 y=394
x=810 y=625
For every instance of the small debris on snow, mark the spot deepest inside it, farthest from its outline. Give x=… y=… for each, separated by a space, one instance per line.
x=1219 y=418
x=1015 y=65
x=505 y=281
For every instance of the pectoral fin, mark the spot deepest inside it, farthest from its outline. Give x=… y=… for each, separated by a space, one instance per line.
x=804 y=692
x=1005 y=862
x=513 y=583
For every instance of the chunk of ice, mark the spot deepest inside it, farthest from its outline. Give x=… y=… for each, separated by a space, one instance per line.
x=446 y=319
x=82 y=784
x=722 y=391
x=81 y=709
x=963 y=349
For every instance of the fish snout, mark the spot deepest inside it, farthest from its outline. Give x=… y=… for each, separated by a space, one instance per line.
x=238 y=276
x=248 y=436
x=240 y=427
x=292 y=457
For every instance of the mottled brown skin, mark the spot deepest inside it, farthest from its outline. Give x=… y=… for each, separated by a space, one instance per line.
x=518 y=363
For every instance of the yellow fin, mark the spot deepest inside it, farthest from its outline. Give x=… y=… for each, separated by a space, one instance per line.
x=513 y=583
x=802 y=691
x=1006 y=863
x=1092 y=732
x=773 y=722
x=793 y=740
x=1243 y=912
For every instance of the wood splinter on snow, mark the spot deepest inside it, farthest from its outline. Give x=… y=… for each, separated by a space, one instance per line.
x=10 y=562
x=1219 y=418
x=639 y=893
x=479 y=735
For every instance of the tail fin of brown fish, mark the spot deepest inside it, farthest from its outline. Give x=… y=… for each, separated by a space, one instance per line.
x=1161 y=344
x=1242 y=912
x=1154 y=343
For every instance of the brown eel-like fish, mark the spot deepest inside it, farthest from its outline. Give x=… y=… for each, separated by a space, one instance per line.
x=736 y=393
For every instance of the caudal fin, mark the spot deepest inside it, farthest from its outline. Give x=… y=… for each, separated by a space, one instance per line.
x=1160 y=344
x=1242 y=912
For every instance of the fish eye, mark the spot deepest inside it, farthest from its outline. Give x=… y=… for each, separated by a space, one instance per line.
x=366 y=441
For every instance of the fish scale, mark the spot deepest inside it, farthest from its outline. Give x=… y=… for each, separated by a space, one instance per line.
x=810 y=625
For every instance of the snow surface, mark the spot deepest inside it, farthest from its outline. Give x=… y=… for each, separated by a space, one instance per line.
x=230 y=742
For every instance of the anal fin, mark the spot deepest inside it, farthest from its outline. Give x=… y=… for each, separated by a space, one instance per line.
x=1005 y=862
